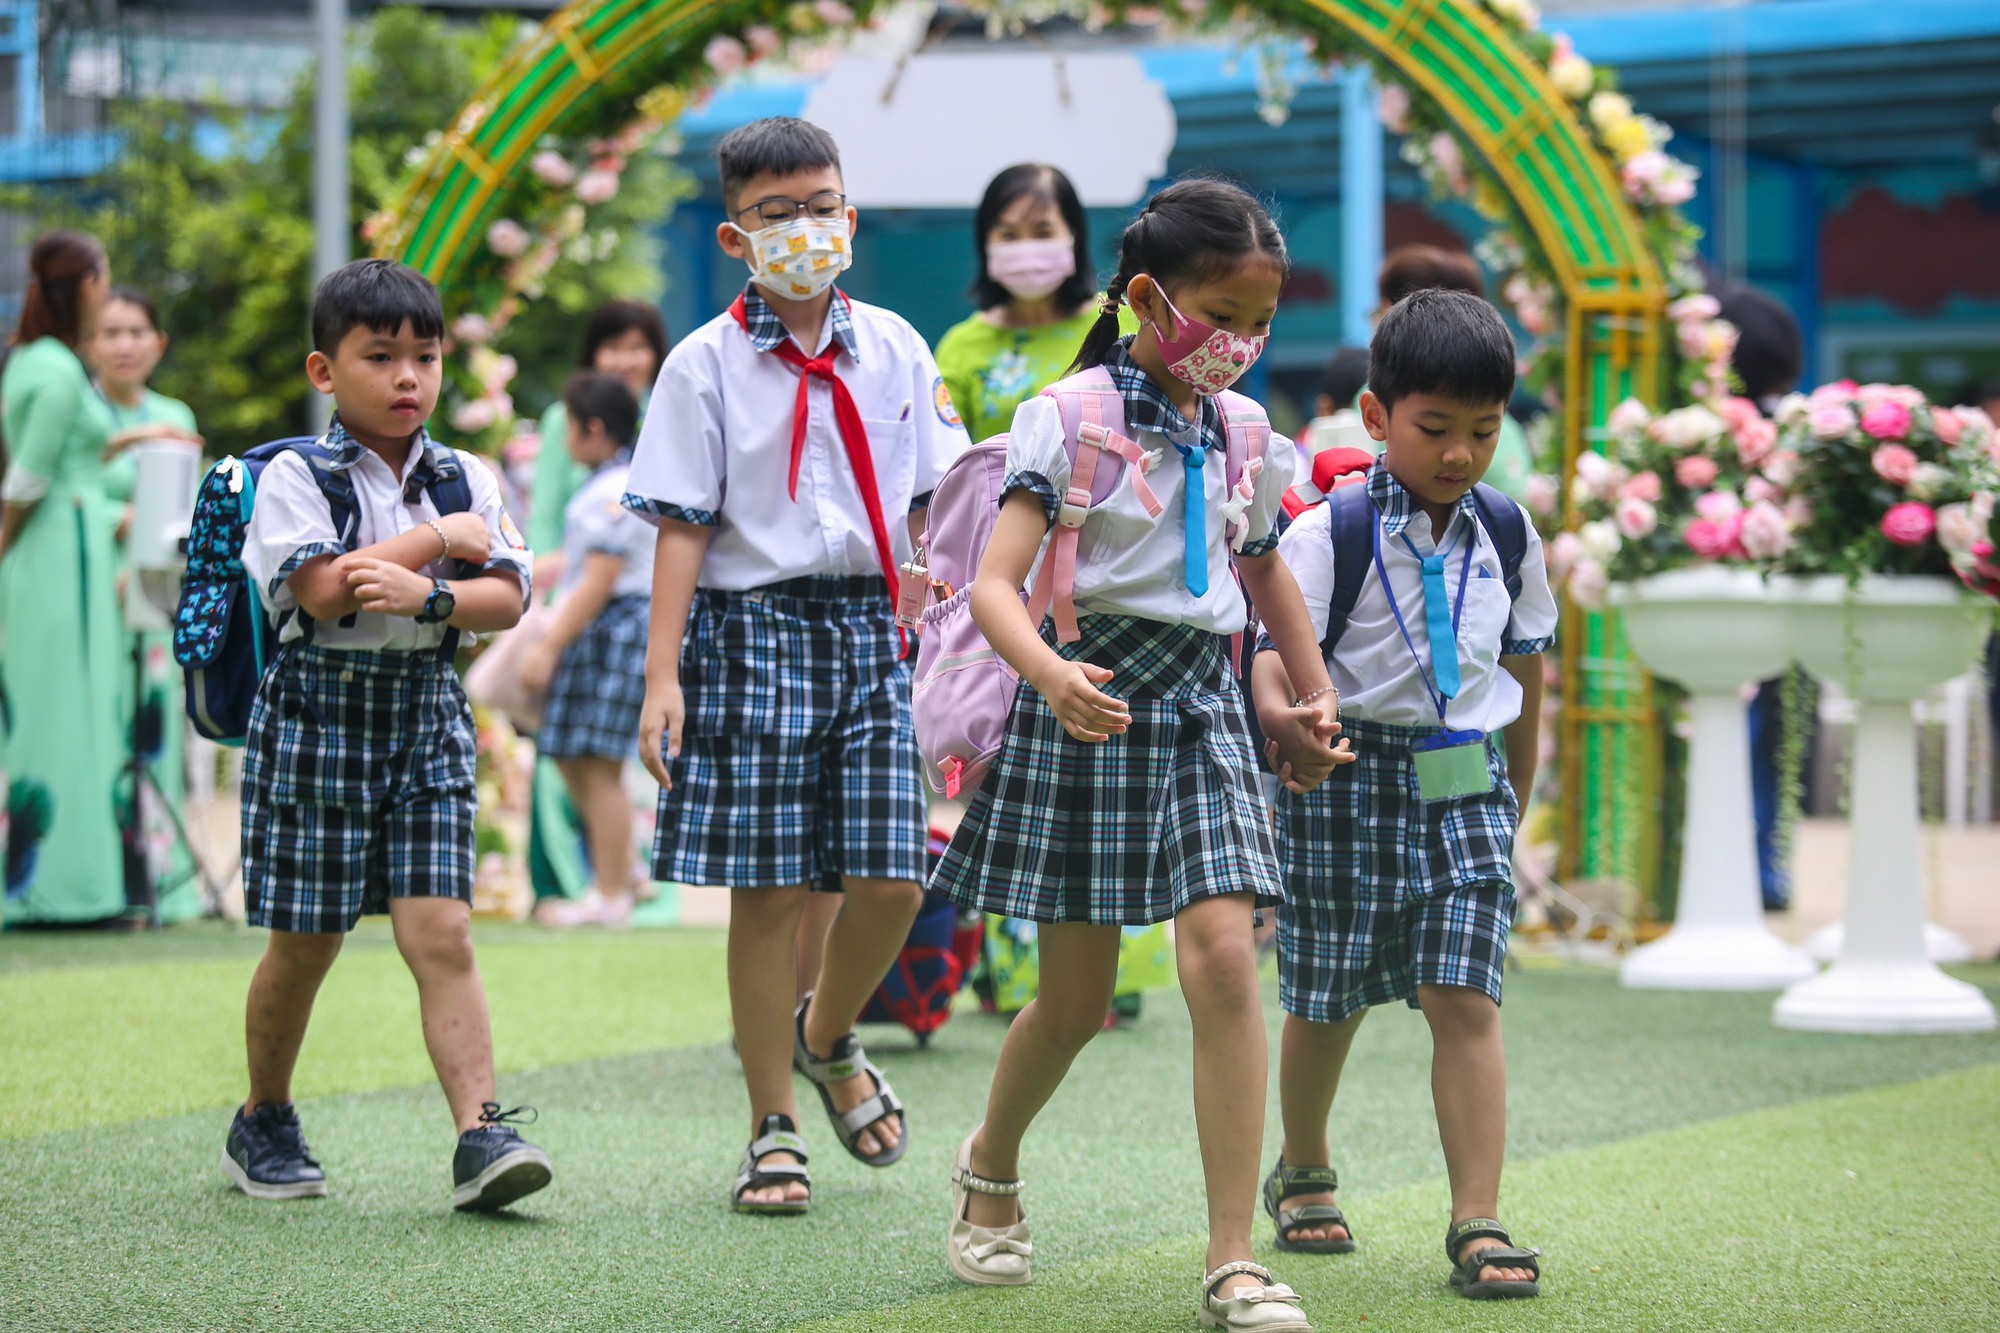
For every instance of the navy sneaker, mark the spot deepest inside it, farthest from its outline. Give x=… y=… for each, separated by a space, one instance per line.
x=494 y=1165
x=267 y=1158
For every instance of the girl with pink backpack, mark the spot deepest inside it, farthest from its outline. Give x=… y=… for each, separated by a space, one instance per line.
x=1124 y=789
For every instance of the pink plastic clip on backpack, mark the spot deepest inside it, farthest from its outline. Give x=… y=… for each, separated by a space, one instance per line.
x=964 y=689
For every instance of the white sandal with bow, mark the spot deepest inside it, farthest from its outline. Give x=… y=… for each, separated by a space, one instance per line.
x=985 y=1256
x=1270 y=1308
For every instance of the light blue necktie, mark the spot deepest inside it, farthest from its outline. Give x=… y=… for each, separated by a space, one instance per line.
x=1192 y=457
x=1437 y=622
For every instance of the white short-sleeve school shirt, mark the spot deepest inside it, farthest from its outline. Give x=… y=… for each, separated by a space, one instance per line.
x=596 y=522
x=1375 y=671
x=716 y=446
x=1129 y=562
x=292 y=524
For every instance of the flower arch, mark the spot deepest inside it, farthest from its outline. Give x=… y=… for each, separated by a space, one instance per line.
x=1515 y=121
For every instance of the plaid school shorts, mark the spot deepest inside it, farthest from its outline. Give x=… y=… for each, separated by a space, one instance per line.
x=1386 y=892
x=599 y=687
x=800 y=761
x=1134 y=829
x=358 y=787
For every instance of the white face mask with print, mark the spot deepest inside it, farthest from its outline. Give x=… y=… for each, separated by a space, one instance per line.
x=798 y=260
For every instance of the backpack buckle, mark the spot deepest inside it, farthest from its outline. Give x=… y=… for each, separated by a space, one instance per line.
x=1074 y=509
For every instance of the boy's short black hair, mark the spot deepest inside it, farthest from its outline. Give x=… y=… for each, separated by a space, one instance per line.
x=379 y=294
x=1770 y=351
x=1450 y=344
x=592 y=395
x=1345 y=376
x=774 y=146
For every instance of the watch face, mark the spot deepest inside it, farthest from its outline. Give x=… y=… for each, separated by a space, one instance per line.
x=442 y=604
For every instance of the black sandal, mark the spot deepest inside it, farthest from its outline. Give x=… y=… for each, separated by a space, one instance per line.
x=1465 y=1272
x=1283 y=1183
x=779 y=1135
x=848 y=1060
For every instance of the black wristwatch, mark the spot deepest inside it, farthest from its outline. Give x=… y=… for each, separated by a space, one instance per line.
x=439 y=606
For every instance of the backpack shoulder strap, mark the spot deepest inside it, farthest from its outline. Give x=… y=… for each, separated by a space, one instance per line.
x=1246 y=432
x=448 y=485
x=1351 y=523
x=1508 y=528
x=333 y=483
x=1093 y=422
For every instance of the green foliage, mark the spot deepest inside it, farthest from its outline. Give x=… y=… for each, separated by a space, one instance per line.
x=226 y=243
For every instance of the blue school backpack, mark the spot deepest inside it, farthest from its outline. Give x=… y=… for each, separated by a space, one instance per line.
x=223 y=633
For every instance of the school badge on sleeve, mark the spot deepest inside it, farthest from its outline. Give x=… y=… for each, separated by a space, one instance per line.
x=941 y=399
x=511 y=534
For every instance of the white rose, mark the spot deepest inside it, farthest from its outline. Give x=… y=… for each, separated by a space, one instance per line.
x=1600 y=540
x=1572 y=76
x=1928 y=481
x=1958 y=531
x=1588 y=584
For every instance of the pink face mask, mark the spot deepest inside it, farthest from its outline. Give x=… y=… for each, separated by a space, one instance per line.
x=1030 y=270
x=1203 y=357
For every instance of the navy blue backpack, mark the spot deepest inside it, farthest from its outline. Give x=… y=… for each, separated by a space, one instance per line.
x=223 y=634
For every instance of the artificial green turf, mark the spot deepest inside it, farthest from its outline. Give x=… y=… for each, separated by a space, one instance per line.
x=129 y=1225
x=89 y=1042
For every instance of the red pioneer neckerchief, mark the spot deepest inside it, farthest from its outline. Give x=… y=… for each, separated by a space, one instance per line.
x=853 y=433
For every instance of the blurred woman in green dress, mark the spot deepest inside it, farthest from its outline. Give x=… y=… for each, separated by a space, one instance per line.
x=1035 y=291
x=123 y=353
x=64 y=640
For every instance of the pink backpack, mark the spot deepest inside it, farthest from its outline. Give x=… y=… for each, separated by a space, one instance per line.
x=964 y=689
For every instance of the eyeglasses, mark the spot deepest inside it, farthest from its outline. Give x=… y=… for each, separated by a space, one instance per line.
x=778 y=210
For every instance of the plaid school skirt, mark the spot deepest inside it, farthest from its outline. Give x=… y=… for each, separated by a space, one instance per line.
x=1132 y=830
x=599 y=687
x=1389 y=892
x=358 y=787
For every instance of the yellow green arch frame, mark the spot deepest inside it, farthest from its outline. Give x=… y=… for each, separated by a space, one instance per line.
x=1494 y=91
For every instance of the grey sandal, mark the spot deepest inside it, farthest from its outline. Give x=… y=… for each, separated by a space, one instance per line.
x=1465 y=1272
x=779 y=1135
x=848 y=1060
x=1286 y=1182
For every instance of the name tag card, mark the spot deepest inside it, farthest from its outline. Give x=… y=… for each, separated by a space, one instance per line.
x=1451 y=764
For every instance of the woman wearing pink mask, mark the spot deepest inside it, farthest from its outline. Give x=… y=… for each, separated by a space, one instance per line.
x=1034 y=289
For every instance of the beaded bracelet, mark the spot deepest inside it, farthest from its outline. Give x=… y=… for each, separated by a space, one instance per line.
x=1324 y=689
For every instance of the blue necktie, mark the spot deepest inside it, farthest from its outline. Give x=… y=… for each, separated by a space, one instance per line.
x=1192 y=457
x=1437 y=622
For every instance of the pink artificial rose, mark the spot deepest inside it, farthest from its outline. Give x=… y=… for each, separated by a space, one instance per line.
x=553 y=168
x=1708 y=539
x=1831 y=419
x=1761 y=490
x=474 y=415
x=1562 y=554
x=1542 y=495
x=1698 y=308
x=1886 y=420
x=1799 y=511
x=1782 y=468
x=1718 y=506
x=1738 y=412
x=1755 y=441
x=1636 y=518
x=1909 y=523
x=1894 y=463
x=1697 y=472
x=833 y=13
x=1628 y=418
x=1958 y=530
x=472 y=328
x=725 y=55
x=1765 y=535
x=597 y=187
x=1588 y=584
x=1448 y=159
x=1950 y=427
x=1394 y=108
x=1645 y=486
x=764 y=40
x=507 y=238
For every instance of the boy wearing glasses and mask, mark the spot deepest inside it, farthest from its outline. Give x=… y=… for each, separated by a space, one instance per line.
x=790 y=447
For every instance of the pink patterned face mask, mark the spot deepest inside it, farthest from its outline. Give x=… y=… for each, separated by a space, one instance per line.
x=1205 y=358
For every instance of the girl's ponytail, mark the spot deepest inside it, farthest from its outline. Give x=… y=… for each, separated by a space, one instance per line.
x=1195 y=229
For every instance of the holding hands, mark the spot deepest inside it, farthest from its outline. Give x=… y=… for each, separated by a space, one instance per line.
x=1299 y=743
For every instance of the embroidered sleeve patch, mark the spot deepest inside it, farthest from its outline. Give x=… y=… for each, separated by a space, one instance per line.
x=511 y=534
x=947 y=410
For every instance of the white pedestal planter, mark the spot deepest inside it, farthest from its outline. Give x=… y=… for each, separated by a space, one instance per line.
x=1887 y=643
x=1942 y=946
x=1713 y=630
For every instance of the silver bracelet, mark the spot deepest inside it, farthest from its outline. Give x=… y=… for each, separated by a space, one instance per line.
x=438 y=528
x=1324 y=689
